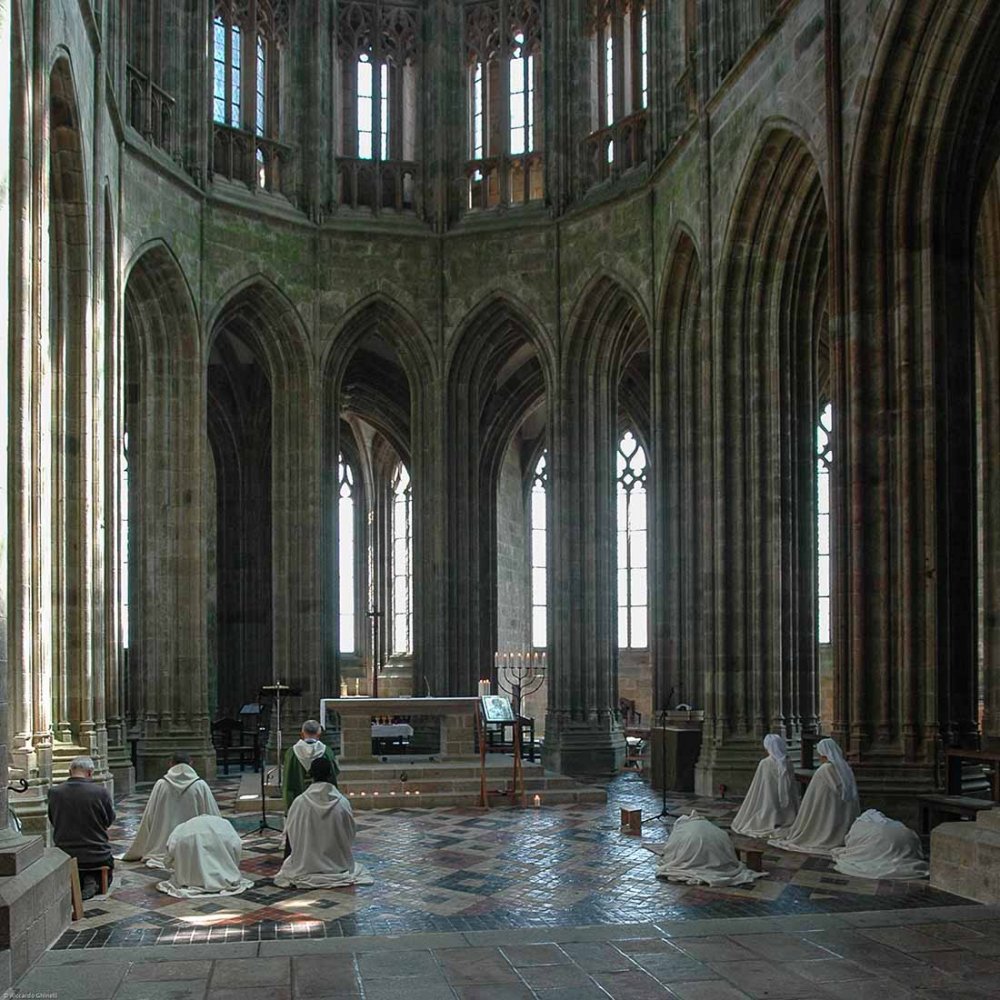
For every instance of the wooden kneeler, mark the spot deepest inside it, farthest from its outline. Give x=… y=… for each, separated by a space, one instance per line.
x=76 y=893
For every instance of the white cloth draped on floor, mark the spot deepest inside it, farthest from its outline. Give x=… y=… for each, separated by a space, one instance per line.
x=320 y=830
x=699 y=853
x=773 y=797
x=828 y=809
x=879 y=847
x=204 y=854
x=178 y=796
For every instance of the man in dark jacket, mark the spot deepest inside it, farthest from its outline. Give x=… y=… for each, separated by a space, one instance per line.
x=81 y=811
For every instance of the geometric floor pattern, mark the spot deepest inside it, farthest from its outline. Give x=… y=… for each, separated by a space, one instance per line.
x=468 y=870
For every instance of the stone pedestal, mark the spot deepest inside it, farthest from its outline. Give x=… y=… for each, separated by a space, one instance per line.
x=965 y=857
x=592 y=749
x=34 y=906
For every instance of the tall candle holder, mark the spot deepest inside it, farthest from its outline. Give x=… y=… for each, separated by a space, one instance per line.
x=520 y=673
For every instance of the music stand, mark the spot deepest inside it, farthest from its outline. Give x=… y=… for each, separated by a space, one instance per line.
x=263 y=824
x=276 y=690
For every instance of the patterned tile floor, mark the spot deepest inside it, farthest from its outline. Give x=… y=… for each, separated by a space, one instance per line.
x=467 y=870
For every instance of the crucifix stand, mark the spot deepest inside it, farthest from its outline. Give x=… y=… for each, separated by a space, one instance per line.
x=376 y=616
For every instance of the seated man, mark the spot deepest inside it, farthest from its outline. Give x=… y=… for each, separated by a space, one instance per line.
x=320 y=831
x=81 y=811
x=773 y=798
x=829 y=806
x=699 y=853
x=299 y=759
x=204 y=853
x=178 y=796
x=879 y=847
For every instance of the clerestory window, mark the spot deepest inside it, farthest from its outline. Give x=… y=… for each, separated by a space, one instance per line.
x=633 y=600
x=346 y=554
x=539 y=558
x=824 y=463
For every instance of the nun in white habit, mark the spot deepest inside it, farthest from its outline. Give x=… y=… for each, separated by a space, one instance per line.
x=699 y=853
x=829 y=806
x=204 y=854
x=320 y=830
x=879 y=847
x=178 y=796
x=773 y=797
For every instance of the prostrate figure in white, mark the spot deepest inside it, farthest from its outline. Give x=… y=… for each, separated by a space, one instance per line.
x=879 y=847
x=829 y=806
x=699 y=853
x=204 y=854
x=320 y=830
x=773 y=798
x=178 y=796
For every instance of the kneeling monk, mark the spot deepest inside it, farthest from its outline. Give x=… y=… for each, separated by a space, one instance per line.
x=699 y=853
x=204 y=853
x=178 y=796
x=320 y=831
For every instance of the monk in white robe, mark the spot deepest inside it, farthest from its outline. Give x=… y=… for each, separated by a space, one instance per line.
x=204 y=854
x=320 y=830
x=699 y=853
x=829 y=807
x=178 y=796
x=773 y=797
x=879 y=847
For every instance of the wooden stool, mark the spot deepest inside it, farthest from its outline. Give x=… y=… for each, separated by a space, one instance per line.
x=76 y=893
x=632 y=820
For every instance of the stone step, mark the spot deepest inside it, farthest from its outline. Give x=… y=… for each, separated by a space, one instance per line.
x=989 y=819
x=493 y=780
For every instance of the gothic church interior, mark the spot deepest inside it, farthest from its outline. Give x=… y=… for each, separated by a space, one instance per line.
x=357 y=344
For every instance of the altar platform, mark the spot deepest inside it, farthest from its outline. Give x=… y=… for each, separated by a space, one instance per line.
x=403 y=782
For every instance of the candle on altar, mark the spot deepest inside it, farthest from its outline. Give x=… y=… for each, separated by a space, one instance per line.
x=538 y=801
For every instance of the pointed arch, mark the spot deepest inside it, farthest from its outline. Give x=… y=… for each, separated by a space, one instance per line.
x=500 y=367
x=166 y=684
x=774 y=286
x=929 y=138
x=259 y=317
x=681 y=610
x=378 y=366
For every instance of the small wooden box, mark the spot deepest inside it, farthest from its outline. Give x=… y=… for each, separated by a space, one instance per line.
x=632 y=820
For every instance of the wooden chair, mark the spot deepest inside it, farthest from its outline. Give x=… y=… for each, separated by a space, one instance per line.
x=230 y=740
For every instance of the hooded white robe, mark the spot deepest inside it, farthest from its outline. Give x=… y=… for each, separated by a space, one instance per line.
x=698 y=852
x=204 y=853
x=879 y=847
x=829 y=807
x=178 y=796
x=320 y=829
x=773 y=797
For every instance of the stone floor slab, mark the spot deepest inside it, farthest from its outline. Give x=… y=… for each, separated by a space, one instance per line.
x=91 y=981
x=229 y=974
x=173 y=989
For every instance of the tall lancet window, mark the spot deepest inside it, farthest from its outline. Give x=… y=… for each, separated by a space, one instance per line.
x=402 y=562
x=824 y=462
x=123 y=539
x=227 y=42
x=619 y=85
x=345 y=557
x=503 y=49
x=539 y=563
x=633 y=602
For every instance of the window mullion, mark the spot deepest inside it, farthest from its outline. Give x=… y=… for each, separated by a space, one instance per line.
x=503 y=105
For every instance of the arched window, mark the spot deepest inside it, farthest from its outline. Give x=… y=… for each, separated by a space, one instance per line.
x=503 y=53
x=824 y=460
x=633 y=602
x=619 y=84
x=123 y=540
x=539 y=564
x=345 y=556
x=402 y=561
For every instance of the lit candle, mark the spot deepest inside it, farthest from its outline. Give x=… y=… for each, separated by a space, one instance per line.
x=362 y=795
x=375 y=794
x=538 y=801
x=417 y=792
x=351 y=794
x=392 y=793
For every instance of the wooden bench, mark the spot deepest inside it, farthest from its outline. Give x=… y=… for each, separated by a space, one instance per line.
x=751 y=852
x=933 y=809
